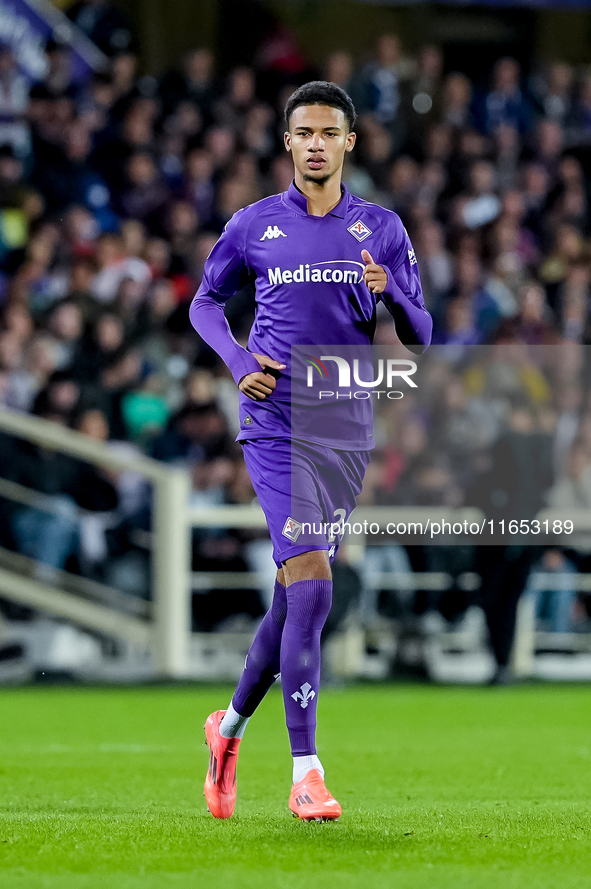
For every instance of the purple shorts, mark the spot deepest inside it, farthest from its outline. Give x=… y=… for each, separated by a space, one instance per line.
x=304 y=489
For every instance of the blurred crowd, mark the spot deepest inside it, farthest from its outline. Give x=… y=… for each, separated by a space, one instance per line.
x=504 y=428
x=501 y=427
x=114 y=190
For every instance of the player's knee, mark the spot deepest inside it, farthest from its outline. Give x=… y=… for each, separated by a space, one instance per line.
x=313 y=565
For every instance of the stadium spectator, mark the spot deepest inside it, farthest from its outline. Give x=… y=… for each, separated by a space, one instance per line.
x=14 y=97
x=339 y=69
x=194 y=84
x=104 y=24
x=580 y=120
x=554 y=93
x=422 y=94
x=554 y=600
x=506 y=102
x=456 y=102
x=382 y=79
x=48 y=530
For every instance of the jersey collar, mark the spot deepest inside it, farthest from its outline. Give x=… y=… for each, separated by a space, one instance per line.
x=297 y=201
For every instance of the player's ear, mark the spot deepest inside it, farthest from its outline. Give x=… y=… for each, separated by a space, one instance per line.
x=351 y=139
x=287 y=141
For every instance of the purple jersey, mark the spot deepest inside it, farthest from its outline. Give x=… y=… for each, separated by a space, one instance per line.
x=307 y=272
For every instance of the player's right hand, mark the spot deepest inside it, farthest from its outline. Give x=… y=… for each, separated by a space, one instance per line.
x=259 y=384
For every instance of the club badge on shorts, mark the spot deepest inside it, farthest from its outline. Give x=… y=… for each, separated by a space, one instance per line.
x=292 y=529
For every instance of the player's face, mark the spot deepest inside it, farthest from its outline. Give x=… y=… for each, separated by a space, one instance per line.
x=318 y=139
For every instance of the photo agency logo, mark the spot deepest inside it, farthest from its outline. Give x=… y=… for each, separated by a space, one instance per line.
x=344 y=375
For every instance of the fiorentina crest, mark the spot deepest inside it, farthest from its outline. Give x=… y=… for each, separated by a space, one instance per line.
x=292 y=529
x=306 y=695
x=359 y=230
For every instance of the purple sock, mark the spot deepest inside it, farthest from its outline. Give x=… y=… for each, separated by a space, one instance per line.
x=262 y=660
x=308 y=605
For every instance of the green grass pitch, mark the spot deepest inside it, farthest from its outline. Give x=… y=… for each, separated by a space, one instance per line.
x=440 y=787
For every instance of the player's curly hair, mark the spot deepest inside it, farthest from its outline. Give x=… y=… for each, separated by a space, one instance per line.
x=321 y=92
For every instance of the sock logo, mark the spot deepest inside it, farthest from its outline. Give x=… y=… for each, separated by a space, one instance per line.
x=306 y=695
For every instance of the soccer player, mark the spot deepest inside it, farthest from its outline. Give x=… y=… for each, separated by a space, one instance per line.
x=315 y=284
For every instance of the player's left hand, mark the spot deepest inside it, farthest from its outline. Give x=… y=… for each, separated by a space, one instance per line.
x=374 y=275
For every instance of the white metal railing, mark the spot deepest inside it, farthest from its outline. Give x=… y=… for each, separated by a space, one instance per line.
x=165 y=626
x=167 y=634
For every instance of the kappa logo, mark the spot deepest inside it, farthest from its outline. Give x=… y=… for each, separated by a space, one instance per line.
x=305 y=695
x=359 y=230
x=292 y=529
x=273 y=231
